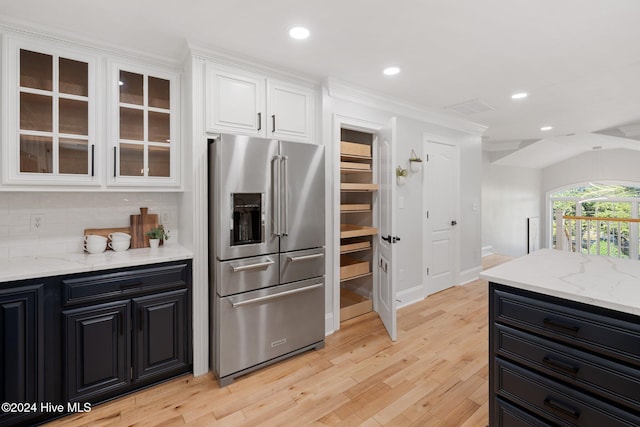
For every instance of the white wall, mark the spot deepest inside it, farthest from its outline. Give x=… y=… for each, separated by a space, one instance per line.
x=510 y=195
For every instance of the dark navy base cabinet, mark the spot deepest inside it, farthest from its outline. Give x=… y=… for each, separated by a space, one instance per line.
x=90 y=337
x=561 y=363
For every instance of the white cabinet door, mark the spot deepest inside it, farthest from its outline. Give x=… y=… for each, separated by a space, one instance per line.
x=235 y=103
x=291 y=112
x=144 y=127
x=50 y=112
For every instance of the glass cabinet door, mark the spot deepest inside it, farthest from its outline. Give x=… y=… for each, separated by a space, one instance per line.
x=145 y=148
x=54 y=134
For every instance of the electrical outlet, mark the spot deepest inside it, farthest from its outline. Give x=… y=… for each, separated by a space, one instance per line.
x=165 y=218
x=37 y=222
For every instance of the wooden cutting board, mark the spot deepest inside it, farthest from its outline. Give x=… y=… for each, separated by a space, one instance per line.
x=140 y=224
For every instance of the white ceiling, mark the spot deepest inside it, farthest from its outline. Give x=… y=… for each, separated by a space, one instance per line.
x=578 y=59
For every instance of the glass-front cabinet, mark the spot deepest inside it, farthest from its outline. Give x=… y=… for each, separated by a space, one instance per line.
x=49 y=136
x=145 y=127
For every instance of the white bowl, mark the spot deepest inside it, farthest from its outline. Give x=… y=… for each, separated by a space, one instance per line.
x=119 y=245
x=95 y=247
x=119 y=236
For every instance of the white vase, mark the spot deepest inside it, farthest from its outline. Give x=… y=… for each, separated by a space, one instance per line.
x=154 y=243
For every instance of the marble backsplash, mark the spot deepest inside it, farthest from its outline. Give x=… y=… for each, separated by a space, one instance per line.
x=64 y=216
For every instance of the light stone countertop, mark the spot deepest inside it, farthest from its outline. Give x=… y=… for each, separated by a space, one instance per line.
x=597 y=280
x=31 y=267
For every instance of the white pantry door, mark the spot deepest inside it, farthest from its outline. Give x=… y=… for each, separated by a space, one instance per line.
x=384 y=292
x=441 y=192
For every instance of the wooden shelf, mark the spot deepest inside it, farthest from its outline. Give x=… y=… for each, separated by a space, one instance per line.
x=355 y=167
x=355 y=207
x=353 y=305
x=357 y=186
x=351 y=230
x=355 y=247
x=355 y=150
x=350 y=267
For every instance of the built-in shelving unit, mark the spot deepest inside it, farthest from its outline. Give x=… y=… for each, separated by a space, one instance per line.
x=357 y=228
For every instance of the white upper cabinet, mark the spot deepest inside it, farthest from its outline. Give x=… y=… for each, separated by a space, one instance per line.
x=144 y=127
x=49 y=121
x=235 y=103
x=290 y=111
x=250 y=104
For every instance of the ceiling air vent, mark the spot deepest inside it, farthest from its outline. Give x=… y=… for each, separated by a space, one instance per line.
x=470 y=107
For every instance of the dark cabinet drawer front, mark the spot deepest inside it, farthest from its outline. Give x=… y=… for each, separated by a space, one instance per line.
x=116 y=284
x=594 y=332
x=510 y=416
x=610 y=380
x=556 y=402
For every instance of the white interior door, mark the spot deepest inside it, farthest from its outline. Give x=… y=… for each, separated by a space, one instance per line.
x=384 y=292
x=441 y=193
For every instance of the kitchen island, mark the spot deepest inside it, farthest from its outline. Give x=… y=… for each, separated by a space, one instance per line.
x=564 y=341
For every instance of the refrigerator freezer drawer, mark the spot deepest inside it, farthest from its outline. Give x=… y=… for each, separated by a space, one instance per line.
x=246 y=274
x=300 y=265
x=258 y=326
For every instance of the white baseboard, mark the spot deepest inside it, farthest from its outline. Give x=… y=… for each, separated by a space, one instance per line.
x=410 y=296
x=487 y=250
x=470 y=275
x=328 y=324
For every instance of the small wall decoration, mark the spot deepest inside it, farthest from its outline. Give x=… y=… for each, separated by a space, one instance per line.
x=415 y=162
x=401 y=175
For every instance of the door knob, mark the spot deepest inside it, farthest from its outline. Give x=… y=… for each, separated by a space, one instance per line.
x=454 y=223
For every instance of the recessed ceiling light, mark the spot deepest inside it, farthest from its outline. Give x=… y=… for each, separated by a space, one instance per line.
x=545 y=128
x=519 y=95
x=299 y=33
x=391 y=71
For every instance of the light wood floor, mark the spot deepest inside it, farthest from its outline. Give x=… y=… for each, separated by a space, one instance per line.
x=434 y=375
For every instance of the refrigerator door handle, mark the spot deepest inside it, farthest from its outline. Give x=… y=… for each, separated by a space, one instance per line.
x=285 y=189
x=278 y=295
x=275 y=191
x=305 y=257
x=256 y=266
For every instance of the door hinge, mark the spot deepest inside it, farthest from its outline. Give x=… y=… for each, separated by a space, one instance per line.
x=427 y=214
x=427 y=271
x=427 y=157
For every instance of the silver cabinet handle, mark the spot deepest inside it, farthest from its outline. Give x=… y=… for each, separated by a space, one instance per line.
x=304 y=257
x=257 y=266
x=278 y=295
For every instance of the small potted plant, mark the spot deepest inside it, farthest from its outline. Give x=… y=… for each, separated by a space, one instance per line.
x=415 y=162
x=156 y=235
x=401 y=175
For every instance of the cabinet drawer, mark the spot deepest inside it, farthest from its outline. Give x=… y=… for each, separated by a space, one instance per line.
x=603 y=377
x=301 y=265
x=116 y=284
x=554 y=401
x=551 y=317
x=511 y=416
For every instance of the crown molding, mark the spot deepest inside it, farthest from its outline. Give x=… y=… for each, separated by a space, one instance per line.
x=236 y=60
x=346 y=91
x=19 y=28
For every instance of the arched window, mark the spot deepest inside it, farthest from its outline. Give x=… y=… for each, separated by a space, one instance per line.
x=597 y=219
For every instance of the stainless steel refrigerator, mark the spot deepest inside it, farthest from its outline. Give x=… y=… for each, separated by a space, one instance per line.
x=266 y=251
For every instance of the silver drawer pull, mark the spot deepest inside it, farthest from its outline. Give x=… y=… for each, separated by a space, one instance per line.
x=258 y=266
x=278 y=295
x=305 y=257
